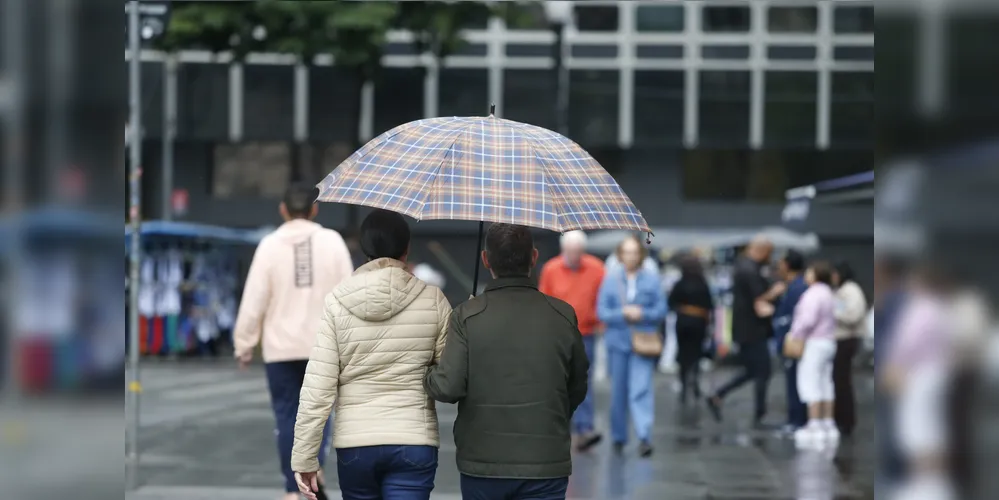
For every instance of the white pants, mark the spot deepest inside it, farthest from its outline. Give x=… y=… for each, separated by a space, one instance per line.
x=921 y=413
x=815 y=371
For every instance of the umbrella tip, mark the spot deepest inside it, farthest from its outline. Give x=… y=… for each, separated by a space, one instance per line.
x=492 y=110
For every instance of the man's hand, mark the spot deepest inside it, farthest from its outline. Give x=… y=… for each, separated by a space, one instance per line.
x=632 y=313
x=308 y=483
x=244 y=360
x=777 y=289
x=763 y=308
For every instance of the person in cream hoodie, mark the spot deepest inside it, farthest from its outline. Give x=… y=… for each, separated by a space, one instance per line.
x=292 y=271
x=381 y=331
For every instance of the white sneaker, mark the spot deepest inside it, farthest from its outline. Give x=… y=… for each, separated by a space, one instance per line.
x=831 y=435
x=808 y=436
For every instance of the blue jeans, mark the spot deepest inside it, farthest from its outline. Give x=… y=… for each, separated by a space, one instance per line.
x=488 y=488
x=582 y=420
x=284 y=380
x=797 y=411
x=390 y=472
x=631 y=393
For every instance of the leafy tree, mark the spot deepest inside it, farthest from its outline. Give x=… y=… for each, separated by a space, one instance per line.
x=214 y=26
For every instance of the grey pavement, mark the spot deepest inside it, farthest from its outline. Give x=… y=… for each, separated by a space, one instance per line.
x=207 y=433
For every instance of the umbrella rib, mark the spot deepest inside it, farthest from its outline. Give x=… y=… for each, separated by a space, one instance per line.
x=448 y=153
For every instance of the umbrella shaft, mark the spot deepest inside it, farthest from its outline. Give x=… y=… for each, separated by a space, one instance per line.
x=478 y=253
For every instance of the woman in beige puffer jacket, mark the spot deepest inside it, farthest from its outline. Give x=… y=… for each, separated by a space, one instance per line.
x=382 y=328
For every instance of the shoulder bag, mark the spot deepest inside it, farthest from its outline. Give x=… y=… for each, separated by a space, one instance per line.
x=644 y=342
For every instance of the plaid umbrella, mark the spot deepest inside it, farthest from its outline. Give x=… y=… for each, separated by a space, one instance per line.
x=483 y=169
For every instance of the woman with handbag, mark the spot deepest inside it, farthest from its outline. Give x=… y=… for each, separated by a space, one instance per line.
x=632 y=304
x=813 y=339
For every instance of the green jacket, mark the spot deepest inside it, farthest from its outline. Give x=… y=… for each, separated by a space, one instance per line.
x=515 y=364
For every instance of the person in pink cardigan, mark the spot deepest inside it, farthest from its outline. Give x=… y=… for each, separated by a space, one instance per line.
x=815 y=323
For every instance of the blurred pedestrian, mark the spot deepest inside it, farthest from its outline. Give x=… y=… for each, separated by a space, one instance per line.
x=516 y=365
x=851 y=311
x=575 y=277
x=381 y=329
x=814 y=325
x=790 y=269
x=691 y=300
x=889 y=301
x=632 y=305
x=752 y=327
x=292 y=271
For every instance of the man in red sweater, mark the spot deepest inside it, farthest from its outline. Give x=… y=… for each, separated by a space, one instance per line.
x=575 y=277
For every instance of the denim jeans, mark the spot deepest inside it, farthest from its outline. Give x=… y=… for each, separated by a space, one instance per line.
x=582 y=420
x=390 y=472
x=487 y=488
x=284 y=380
x=632 y=394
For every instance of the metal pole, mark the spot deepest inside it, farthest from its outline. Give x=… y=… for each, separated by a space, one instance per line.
x=561 y=81
x=169 y=132
x=135 y=213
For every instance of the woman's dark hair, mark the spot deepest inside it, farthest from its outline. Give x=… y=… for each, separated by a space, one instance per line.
x=384 y=234
x=822 y=271
x=691 y=266
x=795 y=261
x=845 y=272
x=509 y=250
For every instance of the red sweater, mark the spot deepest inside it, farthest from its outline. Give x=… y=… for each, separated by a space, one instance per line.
x=579 y=287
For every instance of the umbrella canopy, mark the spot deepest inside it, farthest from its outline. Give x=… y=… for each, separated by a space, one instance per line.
x=483 y=169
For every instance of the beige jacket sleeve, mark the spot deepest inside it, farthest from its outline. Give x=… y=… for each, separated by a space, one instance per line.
x=253 y=306
x=851 y=310
x=319 y=391
x=443 y=320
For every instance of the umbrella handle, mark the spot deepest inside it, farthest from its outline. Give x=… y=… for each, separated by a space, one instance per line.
x=478 y=258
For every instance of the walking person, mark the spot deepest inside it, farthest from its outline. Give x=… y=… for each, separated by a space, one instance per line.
x=292 y=270
x=752 y=310
x=851 y=311
x=380 y=331
x=814 y=329
x=690 y=298
x=516 y=365
x=790 y=269
x=575 y=277
x=889 y=302
x=632 y=305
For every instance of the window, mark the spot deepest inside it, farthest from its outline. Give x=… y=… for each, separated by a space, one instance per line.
x=793 y=19
x=268 y=102
x=523 y=89
x=729 y=19
x=854 y=19
x=723 y=108
x=790 y=108
x=659 y=107
x=852 y=111
x=463 y=92
x=593 y=106
x=398 y=98
x=972 y=72
x=596 y=17
x=659 y=18
x=251 y=170
x=152 y=99
x=203 y=102
x=334 y=100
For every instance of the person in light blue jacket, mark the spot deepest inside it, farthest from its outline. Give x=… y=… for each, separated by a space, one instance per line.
x=631 y=299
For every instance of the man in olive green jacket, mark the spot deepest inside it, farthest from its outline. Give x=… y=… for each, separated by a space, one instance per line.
x=516 y=365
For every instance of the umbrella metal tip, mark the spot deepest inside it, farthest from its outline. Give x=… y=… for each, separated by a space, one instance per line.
x=492 y=110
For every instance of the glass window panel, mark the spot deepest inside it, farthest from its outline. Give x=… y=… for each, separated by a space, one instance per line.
x=790 y=108
x=463 y=92
x=152 y=99
x=723 y=109
x=268 y=102
x=251 y=170
x=715 y=174
x=793 y=19
x=660 y=18
x=659 y=107
x=593 y=106
x=973 y=69
x=853 y=19
x=596 y=17
x=726 y=19
x=203 y=101
x=398 y=98
x=334 y=97
x=896 y=60
x=852 y=111
x=523 y=89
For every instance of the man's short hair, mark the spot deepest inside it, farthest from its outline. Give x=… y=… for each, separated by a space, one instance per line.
x=509 y=250
x=795 y=261
x=385 y=234
x=299 y=199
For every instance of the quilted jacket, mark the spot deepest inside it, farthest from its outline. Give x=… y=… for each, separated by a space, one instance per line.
x=381 y=329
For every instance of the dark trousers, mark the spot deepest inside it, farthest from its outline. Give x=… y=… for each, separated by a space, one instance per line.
x=487 y=488
x=284 y=379
x=892 y=470
x=391 y=472
x=691 y=332
x=755 y=359
x=845 y=411
x=797 y=411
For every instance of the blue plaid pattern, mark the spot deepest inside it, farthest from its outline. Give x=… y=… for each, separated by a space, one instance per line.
x=483 y=169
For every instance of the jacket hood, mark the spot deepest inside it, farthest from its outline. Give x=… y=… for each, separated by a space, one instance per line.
x=379 y=290
x=296 y=231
